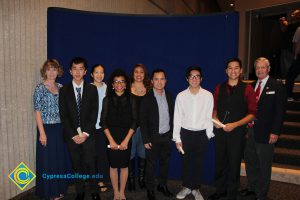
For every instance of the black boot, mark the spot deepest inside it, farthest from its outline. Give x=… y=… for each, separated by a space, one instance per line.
x=131 y=177
x=141 y=176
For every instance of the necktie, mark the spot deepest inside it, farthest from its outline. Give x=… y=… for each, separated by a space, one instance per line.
x=257 y=91
x=78 y=101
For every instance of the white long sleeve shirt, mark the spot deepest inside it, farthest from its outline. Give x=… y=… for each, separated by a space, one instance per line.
x=193 y=112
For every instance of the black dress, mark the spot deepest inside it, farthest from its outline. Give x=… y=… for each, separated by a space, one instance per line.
x=119 y=115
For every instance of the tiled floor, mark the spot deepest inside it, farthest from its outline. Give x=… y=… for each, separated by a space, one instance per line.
x=278 y=191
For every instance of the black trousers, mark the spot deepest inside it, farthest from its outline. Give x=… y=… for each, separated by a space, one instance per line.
x=258 y=160
x=229 y=151
x=194 y=144
x=101 y=155
x=293 y=72
x=83 y=162
x=160 y=151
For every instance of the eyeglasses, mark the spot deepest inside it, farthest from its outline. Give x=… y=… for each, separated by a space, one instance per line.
x=119 y=82
x=197 y=77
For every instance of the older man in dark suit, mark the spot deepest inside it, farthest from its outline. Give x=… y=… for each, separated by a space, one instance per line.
x=263 y=133
x=78 y=106
x=156 y=121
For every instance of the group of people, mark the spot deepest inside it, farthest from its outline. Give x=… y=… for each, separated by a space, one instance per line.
x=108 y=127
x=252 y=114
x=290 y=59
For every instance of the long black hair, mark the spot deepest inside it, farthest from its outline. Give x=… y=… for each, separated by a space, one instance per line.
x=146 y=81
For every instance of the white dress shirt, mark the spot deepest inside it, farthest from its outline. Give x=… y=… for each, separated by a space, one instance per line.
x=77 y=86
x=193 y=112
x=262 y=85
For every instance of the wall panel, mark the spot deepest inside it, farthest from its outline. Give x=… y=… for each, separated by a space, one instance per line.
x=23 y=49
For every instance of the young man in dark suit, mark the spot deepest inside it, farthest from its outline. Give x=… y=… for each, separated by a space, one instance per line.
x=78 y=106
x=156 y=118
x=264 y=132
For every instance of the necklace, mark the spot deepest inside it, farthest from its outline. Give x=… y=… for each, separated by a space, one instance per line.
x=140 y=91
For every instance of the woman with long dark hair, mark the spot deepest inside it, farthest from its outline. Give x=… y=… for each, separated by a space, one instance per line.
x=140 y=85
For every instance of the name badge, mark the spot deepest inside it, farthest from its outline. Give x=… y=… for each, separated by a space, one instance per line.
x=270 y=92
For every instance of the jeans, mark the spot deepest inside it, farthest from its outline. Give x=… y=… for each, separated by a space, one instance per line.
x=137 y=147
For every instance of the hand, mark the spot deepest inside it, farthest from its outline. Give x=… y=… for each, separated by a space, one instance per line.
x=83 y=138
x=43 y=139
x=273 y=138
x=216 y=125
x=124 y=145
x=178 y=145
x=229 y=127
x=77 y=139
x=113 y=145
x=148 y=145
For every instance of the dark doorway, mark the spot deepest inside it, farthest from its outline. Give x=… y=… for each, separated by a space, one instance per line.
x=265 y=37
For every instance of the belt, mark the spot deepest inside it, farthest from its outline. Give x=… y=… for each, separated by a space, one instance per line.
x=163 y=134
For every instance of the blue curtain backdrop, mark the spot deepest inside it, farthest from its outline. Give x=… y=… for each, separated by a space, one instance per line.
x=169 y=42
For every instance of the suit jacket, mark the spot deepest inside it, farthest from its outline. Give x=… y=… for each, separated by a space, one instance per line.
x=149 y=116
x=88 y=110
x=270 y=111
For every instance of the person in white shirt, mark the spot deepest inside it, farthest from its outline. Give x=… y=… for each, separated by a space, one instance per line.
x=97 y=76
x=193 y=128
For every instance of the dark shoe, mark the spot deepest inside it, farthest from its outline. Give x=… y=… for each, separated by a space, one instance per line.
x=102 y=186
x=217 y=196
x=80 y=196
x=246 y=192
x=131 y=177
x=164 y=189
x=95 y=196
x=150 y=195
x=141 y=175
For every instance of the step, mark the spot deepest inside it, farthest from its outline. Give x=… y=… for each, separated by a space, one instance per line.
x=291 y=128
x=286 y=166
x=282 y=173
x=287 y=156
x=293 y=105
x=289 y=141
x=292 y=116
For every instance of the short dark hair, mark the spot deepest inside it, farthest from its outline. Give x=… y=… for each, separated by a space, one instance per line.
x=233 y=60
x=191 y=68
x=117 y=73
x=158 y=71
x=78 y=60
x=97 y=65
